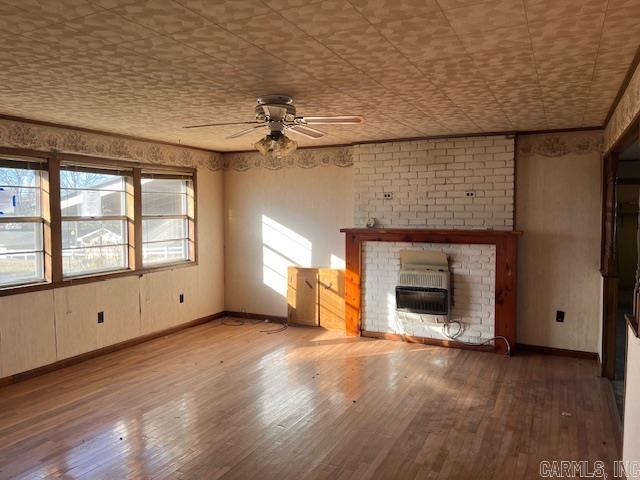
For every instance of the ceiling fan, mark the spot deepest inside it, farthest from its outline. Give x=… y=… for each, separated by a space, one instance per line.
x=277 y=113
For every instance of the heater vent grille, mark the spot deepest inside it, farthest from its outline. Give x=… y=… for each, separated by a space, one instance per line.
x=424 y=278
x=432 y=301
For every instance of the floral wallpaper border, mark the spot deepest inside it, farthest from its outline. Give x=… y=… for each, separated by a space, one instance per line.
x=559 y=144
x=46 y=138
x=304 y=158
x=627 y=109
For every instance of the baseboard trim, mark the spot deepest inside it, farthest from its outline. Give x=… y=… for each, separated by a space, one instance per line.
x=562 y=352
x=256 y=316
x=427 y=341
x=19 y=377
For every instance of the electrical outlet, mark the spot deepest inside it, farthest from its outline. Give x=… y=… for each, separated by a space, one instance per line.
x=182 y=298
x=100 y=317
x=559 y=316
x=470 y=194
x=388 y=195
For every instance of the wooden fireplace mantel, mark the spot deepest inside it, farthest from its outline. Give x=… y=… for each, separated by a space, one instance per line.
x=506 y=243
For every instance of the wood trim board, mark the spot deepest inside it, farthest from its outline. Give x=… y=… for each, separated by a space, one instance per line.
x=562 y=352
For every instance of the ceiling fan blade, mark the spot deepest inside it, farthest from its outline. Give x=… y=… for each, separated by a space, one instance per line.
x=333 y=120
x=245 y=131
x=306 y=131
x=220 y=124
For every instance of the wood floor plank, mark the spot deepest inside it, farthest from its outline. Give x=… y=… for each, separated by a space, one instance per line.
x=231 y=402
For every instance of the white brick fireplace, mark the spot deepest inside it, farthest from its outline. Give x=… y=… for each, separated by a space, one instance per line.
x=457 y=183
x=473 y=291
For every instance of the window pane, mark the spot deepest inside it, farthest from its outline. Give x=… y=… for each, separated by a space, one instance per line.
x=19 y=202
x=164 y=185
x=164 y=204
x=91 y=203
x=88 y=180
x=20 y=237
x=91 y=233
x=17 y=177
x=84 y=261
x=154 y=230
x=18 y=268
x=164 y=252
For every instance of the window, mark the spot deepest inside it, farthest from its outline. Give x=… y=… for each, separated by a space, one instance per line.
x=95 y=225
x=67 y=218
x=22 y=224
x=167 y=218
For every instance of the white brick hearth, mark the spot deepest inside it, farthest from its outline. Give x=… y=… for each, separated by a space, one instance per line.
x=464 y=183
x=473 y=281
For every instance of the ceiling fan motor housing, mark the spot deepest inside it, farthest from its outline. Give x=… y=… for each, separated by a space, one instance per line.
x=275 y=108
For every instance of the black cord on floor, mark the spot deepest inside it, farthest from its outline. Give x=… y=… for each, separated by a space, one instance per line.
x=276 y=330
x=238 y=322
x=234 y=322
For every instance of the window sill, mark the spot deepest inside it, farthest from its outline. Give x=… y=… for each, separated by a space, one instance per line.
x=97 y=277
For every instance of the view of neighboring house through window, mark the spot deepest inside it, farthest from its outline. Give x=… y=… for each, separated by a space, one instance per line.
x=21 y=222
x=167 y=218
x=93 y=204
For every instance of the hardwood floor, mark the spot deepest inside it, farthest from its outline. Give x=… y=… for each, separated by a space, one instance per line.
x=218 y=401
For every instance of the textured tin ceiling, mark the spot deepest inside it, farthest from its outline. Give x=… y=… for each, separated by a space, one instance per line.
x=410 y=67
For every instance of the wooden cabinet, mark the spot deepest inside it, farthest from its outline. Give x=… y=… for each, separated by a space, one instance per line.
x=316 y=297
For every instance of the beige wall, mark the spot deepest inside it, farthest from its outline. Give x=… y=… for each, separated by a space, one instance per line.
x=43 y=327
x=277 y=218
x=558 y=209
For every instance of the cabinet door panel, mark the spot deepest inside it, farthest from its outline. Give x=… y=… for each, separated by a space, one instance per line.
x=331 y=286
x=302 y=296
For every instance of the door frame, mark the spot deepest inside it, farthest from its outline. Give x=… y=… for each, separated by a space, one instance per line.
x=608 y=254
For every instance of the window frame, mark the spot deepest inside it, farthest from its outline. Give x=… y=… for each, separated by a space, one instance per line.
x=189 y=216
x=126 y=217
x=52 y=215
x=43 y=220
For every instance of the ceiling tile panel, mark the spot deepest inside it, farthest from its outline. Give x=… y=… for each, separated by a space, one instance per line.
x=512 y=38
x=226 y=10
x=571 y=36
x=423 y=38
x=377 y=11
x=552 y=10
x=215 y=41
x=58 y=10
x=16 y=20
x=162 y=16
x=63 y=35
x=264 y=29
x=326 y=17
x=109 y=28
x=485 y=16
x=284 y=4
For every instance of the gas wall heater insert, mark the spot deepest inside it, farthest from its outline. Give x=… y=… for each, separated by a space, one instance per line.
x=423 y=283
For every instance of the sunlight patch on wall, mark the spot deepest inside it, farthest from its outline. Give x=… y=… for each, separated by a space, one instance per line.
x=337 y=262
x=281 y=248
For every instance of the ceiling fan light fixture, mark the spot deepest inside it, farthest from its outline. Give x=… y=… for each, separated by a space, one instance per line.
x=263 y=145
x=285 y=146
x=276 y=145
